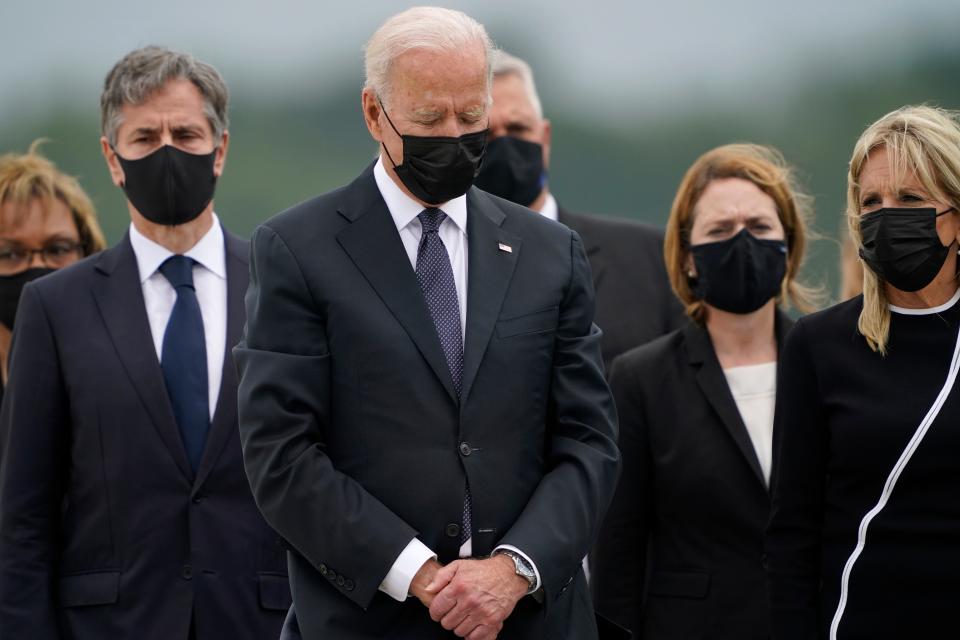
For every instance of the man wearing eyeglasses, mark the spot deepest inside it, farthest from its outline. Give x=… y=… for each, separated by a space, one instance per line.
x=46 y=222
x=124 y=508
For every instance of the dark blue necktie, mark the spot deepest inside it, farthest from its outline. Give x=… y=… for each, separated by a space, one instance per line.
x=184 y=360
x=435 y=276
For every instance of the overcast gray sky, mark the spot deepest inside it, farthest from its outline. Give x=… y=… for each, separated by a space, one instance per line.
x=612 y=58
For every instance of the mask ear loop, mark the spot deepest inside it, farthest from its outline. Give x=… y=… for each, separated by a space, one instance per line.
x=392 y=126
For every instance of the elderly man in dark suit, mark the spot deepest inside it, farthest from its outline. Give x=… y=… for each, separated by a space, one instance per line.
x=634 y=301
x=422 y=403
x=124 y=508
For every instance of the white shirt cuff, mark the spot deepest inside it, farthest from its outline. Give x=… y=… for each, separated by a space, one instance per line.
x=536 y=572
x=405 y=567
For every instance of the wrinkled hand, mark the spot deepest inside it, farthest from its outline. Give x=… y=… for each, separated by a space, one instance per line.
x=474 y=597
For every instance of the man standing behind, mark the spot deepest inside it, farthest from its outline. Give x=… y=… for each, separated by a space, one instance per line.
x=635 y=303
x=124 y=509
x=421 y=380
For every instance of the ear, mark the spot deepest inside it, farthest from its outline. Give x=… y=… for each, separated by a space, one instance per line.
x=113 y=164
x=221 y=157
x=547 y=139
x=371 y=113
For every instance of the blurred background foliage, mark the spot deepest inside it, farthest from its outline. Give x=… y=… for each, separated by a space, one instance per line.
x=618 y=155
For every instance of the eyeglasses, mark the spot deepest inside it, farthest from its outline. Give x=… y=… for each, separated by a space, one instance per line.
x=14 y=259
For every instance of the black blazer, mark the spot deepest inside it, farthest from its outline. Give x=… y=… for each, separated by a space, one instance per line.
x=104 y=530
x=355 y=440
x=680 y=552
x=635 y=303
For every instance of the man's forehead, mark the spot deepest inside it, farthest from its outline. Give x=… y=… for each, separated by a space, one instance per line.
x=510 y=95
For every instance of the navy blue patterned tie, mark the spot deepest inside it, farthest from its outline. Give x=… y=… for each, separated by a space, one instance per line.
x=435 y=276
x=184 y=360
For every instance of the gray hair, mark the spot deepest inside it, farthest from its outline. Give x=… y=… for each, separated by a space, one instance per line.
x=421 y=28
x=505 y=64
x=144 y=71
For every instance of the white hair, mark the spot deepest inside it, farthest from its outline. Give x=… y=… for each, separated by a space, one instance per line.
x=421 y=28
x=505 y=64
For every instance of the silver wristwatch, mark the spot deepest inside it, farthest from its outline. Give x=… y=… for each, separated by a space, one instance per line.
x=523 y=568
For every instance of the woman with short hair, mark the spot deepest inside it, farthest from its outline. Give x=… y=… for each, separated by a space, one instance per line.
x=680 y=552
x=863 y=538
x=46 y=222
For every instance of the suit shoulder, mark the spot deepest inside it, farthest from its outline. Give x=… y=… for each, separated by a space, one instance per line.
x=651 y=356
x=613 y=229
x=840 y=317
x=526 y=221
x=317 y=211
x=68 y=280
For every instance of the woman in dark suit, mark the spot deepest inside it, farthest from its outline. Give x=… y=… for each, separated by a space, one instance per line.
x=680 y=552
x=864 y=537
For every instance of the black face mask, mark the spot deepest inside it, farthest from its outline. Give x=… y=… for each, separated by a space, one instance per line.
x=741 y=274
x=170 y=186
x=10 y=289
x=438 y=169
x=902 y=246
x=512 y=169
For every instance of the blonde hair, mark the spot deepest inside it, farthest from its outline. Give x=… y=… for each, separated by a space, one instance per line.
x=764 y=167
x=918 y=139
x=30 y=176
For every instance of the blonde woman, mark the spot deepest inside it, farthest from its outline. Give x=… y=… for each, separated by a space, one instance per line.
x=679 y=553
x=863 y=540
x=46 y=222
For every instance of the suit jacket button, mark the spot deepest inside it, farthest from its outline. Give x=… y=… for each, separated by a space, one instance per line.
x=187 y=572
x=452 y=530
x=331 y=575
x=340 y=581
x=323 y=569
x=348 y=585
x=465 y=449
x=197 y=499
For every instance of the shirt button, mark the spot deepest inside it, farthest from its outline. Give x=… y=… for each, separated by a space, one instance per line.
x=465 y=449
x=452 y=530
x=186 y=572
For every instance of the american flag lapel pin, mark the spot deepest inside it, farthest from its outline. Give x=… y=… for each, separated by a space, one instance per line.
x=505 y=247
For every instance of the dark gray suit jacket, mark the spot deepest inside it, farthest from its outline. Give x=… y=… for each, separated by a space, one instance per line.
x=355 y=440
x=635 y=303
x=105 y=530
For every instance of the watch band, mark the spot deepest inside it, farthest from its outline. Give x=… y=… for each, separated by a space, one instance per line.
x=522 y=568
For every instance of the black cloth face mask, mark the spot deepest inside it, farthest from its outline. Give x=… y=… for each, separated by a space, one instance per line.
x=512 y=169
x=437 y=169
x=902 y=246
x=10 y=288
x=170 y=186
x=740 y=274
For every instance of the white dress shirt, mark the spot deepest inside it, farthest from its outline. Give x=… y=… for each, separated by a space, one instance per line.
x=549 y=208
x=210 y=283
x=754 y=389
x=453 y=232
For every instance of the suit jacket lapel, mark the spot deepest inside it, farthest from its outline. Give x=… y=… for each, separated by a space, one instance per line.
x=224 y=421
x=488 y=277
x=374 y=245
x=119 y=297
x=714 y=385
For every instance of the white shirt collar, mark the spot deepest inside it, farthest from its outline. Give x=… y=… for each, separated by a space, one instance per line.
x=923 y=312
x=549 y=208
x=405 y=209
x=208 y=252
